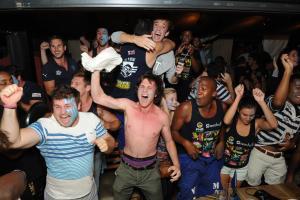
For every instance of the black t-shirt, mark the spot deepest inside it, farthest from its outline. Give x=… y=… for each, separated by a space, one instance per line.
x=52 y=71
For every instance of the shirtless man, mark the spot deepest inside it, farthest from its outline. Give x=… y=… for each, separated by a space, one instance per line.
x=144 y=122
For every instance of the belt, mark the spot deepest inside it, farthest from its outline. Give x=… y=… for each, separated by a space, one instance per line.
x=151 y=166
x=269 y=153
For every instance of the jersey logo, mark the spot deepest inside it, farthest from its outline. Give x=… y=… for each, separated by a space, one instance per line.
x=132 y=52
x=58 y=72
x=128 y=69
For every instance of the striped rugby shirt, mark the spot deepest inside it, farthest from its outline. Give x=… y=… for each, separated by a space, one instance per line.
x=68 y=152
x=288 y=123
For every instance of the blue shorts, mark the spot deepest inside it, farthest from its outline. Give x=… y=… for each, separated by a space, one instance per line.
x=199 y=177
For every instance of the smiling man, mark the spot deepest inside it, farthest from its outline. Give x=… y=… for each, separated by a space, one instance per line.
x=64 y=140
x=60 y=68
x=144 y=122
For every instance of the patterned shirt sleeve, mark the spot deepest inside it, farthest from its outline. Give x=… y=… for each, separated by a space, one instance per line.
x=269 y=101
x=222 y=92
x=100 y=130
x=38 y=128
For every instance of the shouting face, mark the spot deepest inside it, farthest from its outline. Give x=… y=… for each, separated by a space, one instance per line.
x=146 y=93
x=160 y=30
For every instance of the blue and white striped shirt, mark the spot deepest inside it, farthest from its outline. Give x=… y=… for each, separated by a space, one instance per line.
x=68 y=151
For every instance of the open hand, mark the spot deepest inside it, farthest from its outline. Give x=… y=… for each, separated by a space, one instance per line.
x=175 y=173
x=258 y=95
x=145 y=42
x=239 y=90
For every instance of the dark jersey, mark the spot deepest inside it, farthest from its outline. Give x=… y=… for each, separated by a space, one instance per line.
x=237 y=147
x=132 y=68
x=203 y=132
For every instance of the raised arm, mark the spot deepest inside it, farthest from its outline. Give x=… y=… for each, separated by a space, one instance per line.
x=269 y=122
x=239 y=91
x=43 y=47
x=160 y=48
x=283 y=88
x=18 y=138
x=143 y=41
x=166 y=133
x=101 y=98
x=228 y=81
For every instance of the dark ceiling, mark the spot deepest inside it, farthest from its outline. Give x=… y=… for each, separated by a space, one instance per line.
x=73 y=18
x=73 y=23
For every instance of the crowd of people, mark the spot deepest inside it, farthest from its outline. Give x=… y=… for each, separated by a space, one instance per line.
x=186 y=124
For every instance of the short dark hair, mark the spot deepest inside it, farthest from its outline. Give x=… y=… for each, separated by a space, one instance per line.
x=214 y=70
x=86 y=75
x=159 y=85
x=144 y=26
x=65 y=92
x=54 y=37
x=247 y=101
x=253 y=55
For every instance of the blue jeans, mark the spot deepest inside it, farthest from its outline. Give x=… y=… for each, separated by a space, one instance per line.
x=199 y=177
x=99 y=166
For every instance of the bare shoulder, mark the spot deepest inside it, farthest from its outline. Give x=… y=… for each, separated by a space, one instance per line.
x=185 y=106
x=159 y=112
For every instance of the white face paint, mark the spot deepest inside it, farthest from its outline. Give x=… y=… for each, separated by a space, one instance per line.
x=171 y=99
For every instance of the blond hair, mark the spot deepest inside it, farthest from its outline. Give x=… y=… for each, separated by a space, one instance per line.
x=169 y=91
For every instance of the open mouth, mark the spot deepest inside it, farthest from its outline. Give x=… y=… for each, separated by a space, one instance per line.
x=145 y=96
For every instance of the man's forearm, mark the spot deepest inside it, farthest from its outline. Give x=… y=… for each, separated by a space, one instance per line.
x=96 y=89
x=120 y=37
x=173 y=152
x=44 y=57
x=282 y=90
x=10 y=125
x=111 y=144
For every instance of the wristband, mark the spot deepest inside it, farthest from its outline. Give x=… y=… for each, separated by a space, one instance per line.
x=13 y=106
